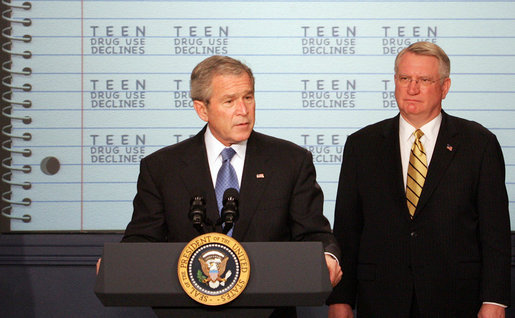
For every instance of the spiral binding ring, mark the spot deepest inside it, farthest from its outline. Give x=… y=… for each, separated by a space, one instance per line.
x=6 y=81
x=6 y=16
x=26 y=5
x=25 y=54
x=7 y=111
x=6 y=178
x=24 y=169
x=25 y=71
x=25 y=202
x=26 y=136
x=26 y=119
x=25 y=38
x=25 y=152
x=26 y=103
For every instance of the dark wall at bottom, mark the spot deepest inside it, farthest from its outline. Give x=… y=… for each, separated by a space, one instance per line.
x=53 y=275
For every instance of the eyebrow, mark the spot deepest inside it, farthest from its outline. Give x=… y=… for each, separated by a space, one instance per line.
x=234 y=95
x=226 y=96
x=423 y=76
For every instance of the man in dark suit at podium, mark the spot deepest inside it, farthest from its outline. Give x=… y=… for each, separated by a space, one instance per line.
x=279 y=198
x=422 y=210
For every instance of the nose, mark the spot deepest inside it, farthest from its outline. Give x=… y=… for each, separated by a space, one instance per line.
x=413 y=87
x=241 y=107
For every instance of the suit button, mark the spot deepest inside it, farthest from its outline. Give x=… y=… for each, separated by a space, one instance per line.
x=413 y=234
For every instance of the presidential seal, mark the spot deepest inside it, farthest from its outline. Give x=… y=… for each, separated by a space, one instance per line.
x=213 y=269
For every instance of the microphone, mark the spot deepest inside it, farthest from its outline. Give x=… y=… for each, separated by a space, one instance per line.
x=230 y=213
x=197 y=213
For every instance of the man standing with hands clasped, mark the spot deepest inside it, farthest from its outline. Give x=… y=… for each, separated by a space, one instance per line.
x=422 y=210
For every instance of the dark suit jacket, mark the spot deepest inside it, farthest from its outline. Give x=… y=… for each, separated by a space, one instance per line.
x=285 y=205
x=454 y=254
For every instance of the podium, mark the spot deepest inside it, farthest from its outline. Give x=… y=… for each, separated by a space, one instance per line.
x=282 y=274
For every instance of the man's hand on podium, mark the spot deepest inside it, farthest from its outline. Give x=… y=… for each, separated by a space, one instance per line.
x=335 y=271
x=98 y=264
x=340 y=311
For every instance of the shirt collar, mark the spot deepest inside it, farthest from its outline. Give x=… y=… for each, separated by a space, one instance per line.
x=214 y=147
x=430 y=129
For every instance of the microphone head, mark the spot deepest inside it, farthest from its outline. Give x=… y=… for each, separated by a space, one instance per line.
x=197 y=211
x=229 y=214
x=197 y=200
x=231 y=194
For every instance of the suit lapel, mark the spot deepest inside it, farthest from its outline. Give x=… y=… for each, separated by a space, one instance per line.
x=196 y=175
x=447 y=144
x=254 y=181
x=391 y=157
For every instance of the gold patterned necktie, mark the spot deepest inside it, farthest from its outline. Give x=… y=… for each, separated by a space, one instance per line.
x=417 y=171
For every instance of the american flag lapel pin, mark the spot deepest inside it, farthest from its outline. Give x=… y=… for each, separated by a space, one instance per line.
x=260 y=176
x=449 y=147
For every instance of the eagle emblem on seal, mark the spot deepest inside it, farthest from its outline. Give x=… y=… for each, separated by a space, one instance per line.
x=213 y=264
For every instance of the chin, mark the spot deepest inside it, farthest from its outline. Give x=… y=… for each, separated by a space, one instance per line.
x=412 y=111
x=242 y=137
x=243 y=132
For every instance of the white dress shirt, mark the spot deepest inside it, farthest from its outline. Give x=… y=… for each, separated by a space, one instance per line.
x=214 y=155
x=406 y=139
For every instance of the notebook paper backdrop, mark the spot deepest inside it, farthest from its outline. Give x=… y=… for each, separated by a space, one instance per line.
x=109 y=85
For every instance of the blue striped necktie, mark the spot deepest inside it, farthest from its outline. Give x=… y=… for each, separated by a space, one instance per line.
x=226 y=178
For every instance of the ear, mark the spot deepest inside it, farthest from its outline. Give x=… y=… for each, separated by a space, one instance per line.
x=446 y=85
x=201 y=109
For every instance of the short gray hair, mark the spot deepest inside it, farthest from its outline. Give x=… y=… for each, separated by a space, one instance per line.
x=428 y=49
x=202 y=75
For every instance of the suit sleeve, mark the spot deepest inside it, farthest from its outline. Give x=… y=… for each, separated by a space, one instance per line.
x=494 y=226
x=308 y=222
x=148 y=221
x=348 y=224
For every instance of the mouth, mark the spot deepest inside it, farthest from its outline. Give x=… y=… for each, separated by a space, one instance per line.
x=242 y=124
x=412 y=100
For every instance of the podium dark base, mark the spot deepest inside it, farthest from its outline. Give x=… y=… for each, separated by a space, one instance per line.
x=283 y=275
x=209 y=313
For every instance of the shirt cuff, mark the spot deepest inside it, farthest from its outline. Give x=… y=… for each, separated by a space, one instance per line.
x=336 y=258
x=491 y=303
